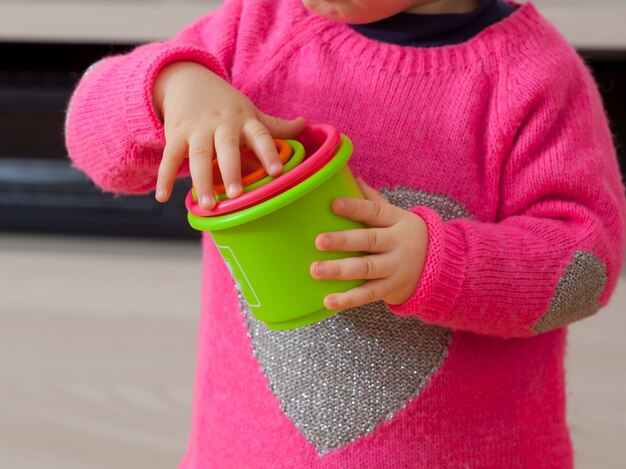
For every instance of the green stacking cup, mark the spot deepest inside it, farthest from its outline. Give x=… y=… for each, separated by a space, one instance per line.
x=270 y=247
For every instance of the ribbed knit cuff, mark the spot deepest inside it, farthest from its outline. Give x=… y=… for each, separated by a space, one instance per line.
x=141 y=118
x=443 y=273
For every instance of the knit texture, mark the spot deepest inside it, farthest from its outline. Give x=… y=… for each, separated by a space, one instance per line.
x=500 y=144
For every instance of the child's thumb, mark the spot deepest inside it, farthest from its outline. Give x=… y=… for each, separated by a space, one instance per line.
x=281 y=128
x=370 y=193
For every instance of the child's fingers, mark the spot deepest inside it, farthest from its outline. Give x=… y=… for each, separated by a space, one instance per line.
x=354 y=268
x=365 y=240
x=368 y=292
x=173 y=156
x=260 y=140
x=229 y=158
x=376 y=214
x=201 y=168
x=281 y=128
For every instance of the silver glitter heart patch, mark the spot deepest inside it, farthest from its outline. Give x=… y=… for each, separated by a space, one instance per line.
x=339 y=379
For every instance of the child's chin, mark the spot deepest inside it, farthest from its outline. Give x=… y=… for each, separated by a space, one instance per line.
x=330 y=12
x=320 y=10
x=326 y=10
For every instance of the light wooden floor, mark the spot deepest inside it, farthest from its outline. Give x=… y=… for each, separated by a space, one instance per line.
x=97 y=341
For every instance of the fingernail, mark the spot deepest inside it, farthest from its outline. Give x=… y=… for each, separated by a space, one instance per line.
x=324 y=242
x=233 y=190
x=319 y=270
x=276 y=168
x=340 y=205
x=206 y=201
x=161 y=194
x=330 y=302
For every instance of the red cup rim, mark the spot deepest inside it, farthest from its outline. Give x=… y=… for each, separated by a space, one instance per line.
x=320 y=142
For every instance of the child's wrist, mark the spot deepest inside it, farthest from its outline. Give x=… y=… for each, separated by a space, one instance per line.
x=164 y=80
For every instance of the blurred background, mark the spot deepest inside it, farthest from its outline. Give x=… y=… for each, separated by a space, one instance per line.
x=99 y=296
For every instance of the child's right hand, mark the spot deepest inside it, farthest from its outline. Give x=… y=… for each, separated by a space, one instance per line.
x=204 y=115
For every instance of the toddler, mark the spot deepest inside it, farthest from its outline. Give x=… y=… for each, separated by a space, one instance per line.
x=493 y=203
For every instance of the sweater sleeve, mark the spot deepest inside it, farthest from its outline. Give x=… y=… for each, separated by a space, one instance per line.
x=112 y=131
x=554 y=254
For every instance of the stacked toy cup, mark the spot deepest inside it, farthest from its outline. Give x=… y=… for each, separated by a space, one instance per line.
x=266 y=236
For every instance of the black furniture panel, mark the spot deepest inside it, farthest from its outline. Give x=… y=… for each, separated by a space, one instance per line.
x=39 y=190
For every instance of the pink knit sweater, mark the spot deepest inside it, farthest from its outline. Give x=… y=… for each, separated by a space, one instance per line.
x=501 y=144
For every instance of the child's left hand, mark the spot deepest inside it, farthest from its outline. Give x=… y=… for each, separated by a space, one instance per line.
x=397 y=241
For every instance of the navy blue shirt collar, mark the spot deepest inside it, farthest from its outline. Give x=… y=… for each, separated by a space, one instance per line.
x=419 y=30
